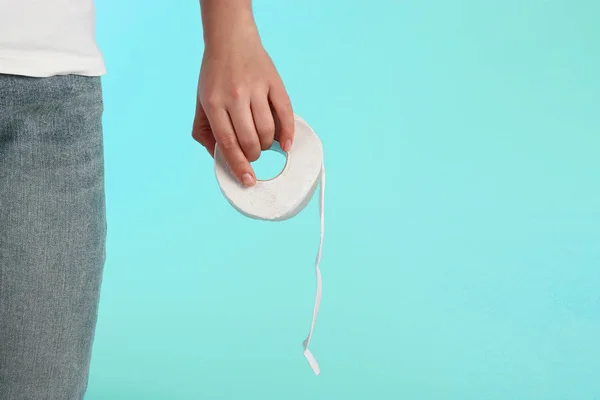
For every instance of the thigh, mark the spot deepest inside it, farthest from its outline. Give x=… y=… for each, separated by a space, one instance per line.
x=52 y=233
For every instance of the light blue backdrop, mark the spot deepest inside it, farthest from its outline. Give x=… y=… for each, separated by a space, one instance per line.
x=462 y=254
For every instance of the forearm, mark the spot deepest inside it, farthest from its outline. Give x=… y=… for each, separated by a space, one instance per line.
x=224 y=20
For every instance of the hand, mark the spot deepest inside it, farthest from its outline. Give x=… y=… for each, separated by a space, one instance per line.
x=242 y=104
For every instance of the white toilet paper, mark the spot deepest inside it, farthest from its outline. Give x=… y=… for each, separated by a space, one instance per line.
x=284 y=196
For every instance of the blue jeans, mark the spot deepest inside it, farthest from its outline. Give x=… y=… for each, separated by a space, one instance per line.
x=52 y=234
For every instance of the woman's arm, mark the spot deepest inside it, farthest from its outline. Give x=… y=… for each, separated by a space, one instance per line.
x=241 y=97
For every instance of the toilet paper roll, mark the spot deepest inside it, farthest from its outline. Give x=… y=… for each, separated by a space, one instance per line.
x=284 y=196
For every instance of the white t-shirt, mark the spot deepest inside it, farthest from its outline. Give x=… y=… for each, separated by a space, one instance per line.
x=43 y=38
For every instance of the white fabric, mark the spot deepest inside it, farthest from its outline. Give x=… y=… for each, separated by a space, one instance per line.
x=284 y=196
x=49 y=37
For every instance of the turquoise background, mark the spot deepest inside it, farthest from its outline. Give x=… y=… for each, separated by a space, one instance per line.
x=462 y=251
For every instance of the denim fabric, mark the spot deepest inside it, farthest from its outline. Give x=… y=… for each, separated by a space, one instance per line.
x=52 y=233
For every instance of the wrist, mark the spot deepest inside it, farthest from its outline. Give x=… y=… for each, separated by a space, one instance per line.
x=226 y=22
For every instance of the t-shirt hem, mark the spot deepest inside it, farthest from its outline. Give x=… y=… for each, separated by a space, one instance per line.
x=47 y=66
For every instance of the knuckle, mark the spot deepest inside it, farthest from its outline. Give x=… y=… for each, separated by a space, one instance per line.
x=266 y=129
x=236 y=92
x=201 y=135
x=284 y=103
x=246 y=144
x=196 y=137
x=228 y=143
x=212 y=102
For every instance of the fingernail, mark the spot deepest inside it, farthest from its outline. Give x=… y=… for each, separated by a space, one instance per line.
x=247 y=180
x=288 y=145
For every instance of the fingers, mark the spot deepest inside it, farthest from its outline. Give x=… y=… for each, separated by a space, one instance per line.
x=244 y=130
x=201 y=130
x=263 y=121
x=285 y=115
x=225 y=136
x=243 y=124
